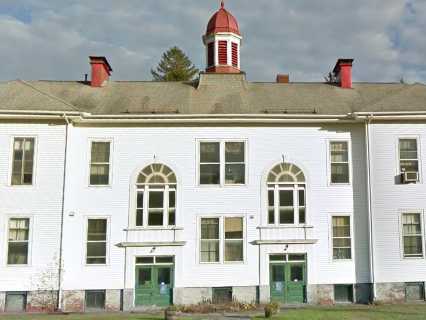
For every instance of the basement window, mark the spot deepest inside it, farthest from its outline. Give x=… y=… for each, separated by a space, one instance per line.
x=222 y=295
x=414 y=291
x=343 y=293
x=16 y=301
x=95 y=300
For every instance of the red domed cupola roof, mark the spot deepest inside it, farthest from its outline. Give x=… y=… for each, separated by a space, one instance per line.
x=223 y=21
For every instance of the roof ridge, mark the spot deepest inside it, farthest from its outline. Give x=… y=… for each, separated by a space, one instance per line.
x=51 y=96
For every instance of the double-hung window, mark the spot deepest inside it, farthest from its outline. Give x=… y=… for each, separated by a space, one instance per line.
x=412 y=235
x=339 y=162
x=286 y=195
x=18 y=242
x=342 y=242
x=156 y=197
x=23 y=161
x=100 y=163
x=210 y=239
x=96 y=250
x=222 y=163
x=222 y=239
x=408 y=156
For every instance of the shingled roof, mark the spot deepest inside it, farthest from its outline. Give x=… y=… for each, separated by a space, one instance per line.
x=211 y=94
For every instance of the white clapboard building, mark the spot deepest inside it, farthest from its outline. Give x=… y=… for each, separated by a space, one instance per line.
x=122 y=195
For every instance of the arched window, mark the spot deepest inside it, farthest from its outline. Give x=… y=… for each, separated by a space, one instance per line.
x=286 y=195
x=156 y=197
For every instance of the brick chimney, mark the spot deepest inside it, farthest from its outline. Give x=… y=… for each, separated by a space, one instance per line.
x=283 y=78
x=343 y=73
x=101 y=71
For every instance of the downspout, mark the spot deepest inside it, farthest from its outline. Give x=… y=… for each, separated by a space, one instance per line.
x=370 y=207
x=59 y=297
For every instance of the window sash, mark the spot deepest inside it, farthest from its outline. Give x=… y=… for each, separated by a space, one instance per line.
x=342 y=241
x=143 y=213
x=298 y=208
x=225 y=244
x=100 y=169
x=408 y=158
x=99 y=244
x=339 y=162
x=225 y=171
x=23 y=161
x=18 y=241
x=412 y=230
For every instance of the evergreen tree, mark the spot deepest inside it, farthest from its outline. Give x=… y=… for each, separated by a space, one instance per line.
x=174 y=66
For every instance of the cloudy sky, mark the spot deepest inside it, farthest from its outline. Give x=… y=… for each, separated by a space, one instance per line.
x=51 y=39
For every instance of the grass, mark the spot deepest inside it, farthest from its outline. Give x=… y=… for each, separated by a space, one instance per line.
x=353 y=312
x=383 y=312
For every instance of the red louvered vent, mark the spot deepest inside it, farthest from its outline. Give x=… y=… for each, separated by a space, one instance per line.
x=235 y=54
x=223 y=52
x=210 y=54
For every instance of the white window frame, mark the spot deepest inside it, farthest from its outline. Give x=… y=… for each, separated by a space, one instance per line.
x=351 y=228
x=222 y=239
x=222 y=163
x=35 y=162
x=276 y=188
x=329 y=142
x=401 y=233
x=419 y=154
x=107 y=244
x=111 y=150
x=30 y=234
x=146 y=189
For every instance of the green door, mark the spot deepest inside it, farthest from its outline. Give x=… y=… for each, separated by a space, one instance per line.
x=288 y=282
x=154 y=285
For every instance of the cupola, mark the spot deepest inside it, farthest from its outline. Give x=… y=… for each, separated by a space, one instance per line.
x=223 y=41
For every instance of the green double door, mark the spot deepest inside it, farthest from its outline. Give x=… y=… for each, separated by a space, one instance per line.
x=288 y=282
x=154 y=286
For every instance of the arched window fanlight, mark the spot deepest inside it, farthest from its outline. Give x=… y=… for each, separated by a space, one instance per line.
x=286 y=195
x=157 y=174
x=156 y=197
x=286 y=173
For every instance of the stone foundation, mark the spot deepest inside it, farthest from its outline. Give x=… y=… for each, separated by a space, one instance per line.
x=322 y=294
x=42 y=301
x=187 y=296
x=112 y=300
x=390 y=292
x=73 y=301
x=2 y=301
x=128 y=299
x=264 y=294
x=245 y=294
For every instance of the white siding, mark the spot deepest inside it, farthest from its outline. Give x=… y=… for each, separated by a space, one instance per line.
x=42 y=202
x=390 y=199
x=134 y=148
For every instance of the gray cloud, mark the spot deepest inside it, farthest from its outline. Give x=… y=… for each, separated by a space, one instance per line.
x=50 y=39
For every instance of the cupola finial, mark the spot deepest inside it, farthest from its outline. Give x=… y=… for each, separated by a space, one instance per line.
x=222 y=4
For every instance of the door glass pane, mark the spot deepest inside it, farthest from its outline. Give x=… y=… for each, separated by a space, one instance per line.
x=296 y=273
x=144 y=276
x=145 y=260
x=163 y=276
x=164 y=259
x=278 y=278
